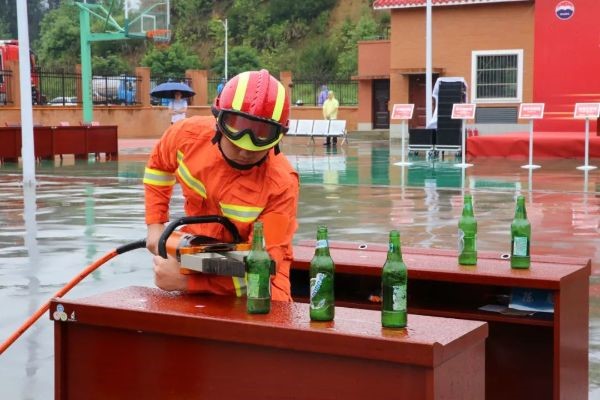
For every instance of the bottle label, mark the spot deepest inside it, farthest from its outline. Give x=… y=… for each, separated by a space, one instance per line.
x=399 y=298
x=466 y=242
x=520 y=246
x=315 y=284
x=253 y=286
x=322 y=244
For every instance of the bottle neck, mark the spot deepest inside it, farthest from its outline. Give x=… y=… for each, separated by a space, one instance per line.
x=322 y=246
x=394 y=253
x=520 y=212
x=467 y=208
x=257 y=237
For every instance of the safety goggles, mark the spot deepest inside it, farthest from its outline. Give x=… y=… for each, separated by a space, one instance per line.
x=262 y=133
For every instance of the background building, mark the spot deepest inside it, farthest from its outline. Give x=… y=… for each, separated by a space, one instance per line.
x=508 y=52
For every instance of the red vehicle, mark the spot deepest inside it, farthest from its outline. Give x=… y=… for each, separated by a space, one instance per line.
x=9 y=50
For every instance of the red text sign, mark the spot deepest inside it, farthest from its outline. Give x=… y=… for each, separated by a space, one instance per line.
x=463 y=111
x=402 y=111
x=587 y=110
x=531 y=110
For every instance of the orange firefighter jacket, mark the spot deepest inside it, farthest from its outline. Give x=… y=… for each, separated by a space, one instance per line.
x=268 y=192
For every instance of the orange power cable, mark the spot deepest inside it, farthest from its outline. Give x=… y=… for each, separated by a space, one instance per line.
x=31 y=320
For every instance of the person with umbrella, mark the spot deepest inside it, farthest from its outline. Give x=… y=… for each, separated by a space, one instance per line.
x=177 y=108
x=228 y=165
x=177 y=92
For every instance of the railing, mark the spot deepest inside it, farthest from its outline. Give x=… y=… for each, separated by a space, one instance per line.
x=120 y=90
x=212 y=85
x=306 y=92
x=5 y=87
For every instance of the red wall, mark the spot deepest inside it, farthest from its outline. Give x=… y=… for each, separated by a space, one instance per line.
x=566 y=62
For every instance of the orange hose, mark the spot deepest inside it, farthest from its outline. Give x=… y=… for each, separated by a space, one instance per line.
x=31 y=320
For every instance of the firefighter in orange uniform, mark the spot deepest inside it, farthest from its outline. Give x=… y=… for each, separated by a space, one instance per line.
x=235 y=170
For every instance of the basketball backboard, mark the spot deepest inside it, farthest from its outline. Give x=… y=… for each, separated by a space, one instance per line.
x=144 y=16
x=135 y=18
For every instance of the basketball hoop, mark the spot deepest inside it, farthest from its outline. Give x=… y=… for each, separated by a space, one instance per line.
x=160 y=37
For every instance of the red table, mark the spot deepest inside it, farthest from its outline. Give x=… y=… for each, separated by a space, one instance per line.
x=142 y=343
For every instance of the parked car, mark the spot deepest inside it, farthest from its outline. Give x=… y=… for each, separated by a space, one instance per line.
x=63 y=101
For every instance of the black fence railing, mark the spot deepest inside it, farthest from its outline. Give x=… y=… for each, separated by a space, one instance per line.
x=157 y=80
x=6 y=83
x=119 y=90
x=212 y=89
x=306 y=92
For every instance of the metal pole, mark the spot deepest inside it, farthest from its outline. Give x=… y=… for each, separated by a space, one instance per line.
x=530 y=165
x=226 y=29
x=586 y=166
x=428 y=68
x=27 y=152
x=86 y=65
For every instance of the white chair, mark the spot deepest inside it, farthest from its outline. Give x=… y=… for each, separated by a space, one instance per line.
x=337 y=127
x=304 y=127
x=320 y=128
x=292 y=127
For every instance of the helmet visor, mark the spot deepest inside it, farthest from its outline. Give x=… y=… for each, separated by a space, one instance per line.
x=262 y=132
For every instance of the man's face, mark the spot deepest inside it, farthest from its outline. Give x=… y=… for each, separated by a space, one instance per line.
x=239 y=155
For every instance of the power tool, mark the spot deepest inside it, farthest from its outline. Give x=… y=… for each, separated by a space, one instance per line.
x=198 y=253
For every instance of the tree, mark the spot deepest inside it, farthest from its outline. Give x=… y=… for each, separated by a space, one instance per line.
x=318 y=61
x=58 y=45
x=172 y=61
x=239 y=59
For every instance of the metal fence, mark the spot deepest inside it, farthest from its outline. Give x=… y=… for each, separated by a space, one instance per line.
x=212 y=85
x=306 y=92
x=120 y=90
x=5 y=87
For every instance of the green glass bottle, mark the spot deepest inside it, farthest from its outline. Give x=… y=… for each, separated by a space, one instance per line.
x=322 y=269
x=393 y=286
x=258 y=268
x=467 y=234
x=520 y=233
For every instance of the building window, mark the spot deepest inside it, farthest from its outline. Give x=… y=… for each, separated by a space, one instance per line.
x=497 y=76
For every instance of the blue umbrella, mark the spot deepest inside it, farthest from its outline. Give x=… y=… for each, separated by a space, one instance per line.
x=167 y=90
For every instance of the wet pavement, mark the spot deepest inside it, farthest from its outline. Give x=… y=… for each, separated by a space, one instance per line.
x=80 y=211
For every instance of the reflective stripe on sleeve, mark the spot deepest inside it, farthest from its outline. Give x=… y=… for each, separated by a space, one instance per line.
x=158 y=178
x=240 y=213
x=187 y=178
x=240 y=286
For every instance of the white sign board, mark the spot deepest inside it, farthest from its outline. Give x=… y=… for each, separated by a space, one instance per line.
x=463 y=111
x=587 y=110
x=531 y=111
x=402 y=111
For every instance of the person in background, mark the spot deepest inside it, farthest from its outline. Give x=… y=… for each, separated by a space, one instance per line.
x=177 y=108
x=322 y=95
x=220 y=86
x=233 y=169
x=330 y=109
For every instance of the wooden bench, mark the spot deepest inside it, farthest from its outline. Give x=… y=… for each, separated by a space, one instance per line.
x=312 y=128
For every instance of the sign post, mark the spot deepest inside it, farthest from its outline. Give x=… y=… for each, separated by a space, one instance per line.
x=464 y=111
x=403 y=112
x=587 y=111
x=531 y=111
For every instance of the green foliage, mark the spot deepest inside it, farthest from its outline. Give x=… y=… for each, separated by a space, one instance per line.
x=190 y=20
x=58 y=45
x=285 y=10
x=172 y=61
x=239 y=59
x=274 y=34
x=318 y=61
x=111 y=64
x=347 y=39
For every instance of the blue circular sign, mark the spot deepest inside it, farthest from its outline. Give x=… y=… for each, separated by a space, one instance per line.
x=564 y=10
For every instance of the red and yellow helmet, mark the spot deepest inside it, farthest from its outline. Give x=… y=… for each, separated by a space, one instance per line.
x=253 y=110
